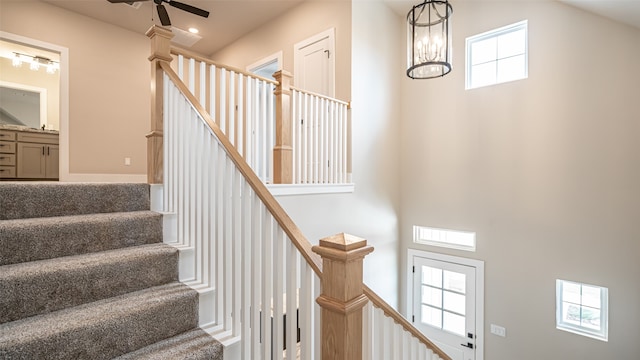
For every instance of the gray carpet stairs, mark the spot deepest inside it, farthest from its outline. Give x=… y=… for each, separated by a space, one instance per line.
x=84 y=275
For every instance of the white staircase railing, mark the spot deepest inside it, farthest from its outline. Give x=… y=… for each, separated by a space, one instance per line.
x=242 y=105
x=261 y=285
x=320 y=142
x=386 y=335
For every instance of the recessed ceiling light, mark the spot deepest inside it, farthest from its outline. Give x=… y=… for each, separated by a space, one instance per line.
x=193 y=30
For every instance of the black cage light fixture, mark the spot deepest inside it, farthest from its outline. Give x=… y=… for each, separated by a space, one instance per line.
x=429 y=40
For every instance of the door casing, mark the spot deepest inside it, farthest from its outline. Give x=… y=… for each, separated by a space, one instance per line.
x=479 y=306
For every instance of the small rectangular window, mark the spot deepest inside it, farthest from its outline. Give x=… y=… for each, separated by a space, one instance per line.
x=460 y=240
x=582 y=309
x=497 y=56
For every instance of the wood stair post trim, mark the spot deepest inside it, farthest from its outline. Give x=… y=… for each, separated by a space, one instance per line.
x=160 y=53
x=342 y=298
x=283 y=151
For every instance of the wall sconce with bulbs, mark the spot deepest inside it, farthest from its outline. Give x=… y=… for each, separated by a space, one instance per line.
x=35 y=62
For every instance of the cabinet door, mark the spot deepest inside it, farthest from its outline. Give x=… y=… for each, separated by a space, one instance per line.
x=52 y=160
x=31 y=160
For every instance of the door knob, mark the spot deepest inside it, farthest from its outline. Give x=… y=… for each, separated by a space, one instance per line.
x=469 y=345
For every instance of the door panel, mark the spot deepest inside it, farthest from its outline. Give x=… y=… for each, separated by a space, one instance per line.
x=444 y=305
x=315 y=64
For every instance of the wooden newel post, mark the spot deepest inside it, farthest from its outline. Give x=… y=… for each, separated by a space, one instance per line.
x=160 y=51
x=283 y=152
x=342 y=297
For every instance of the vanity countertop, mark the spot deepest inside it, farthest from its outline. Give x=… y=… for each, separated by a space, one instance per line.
x=26 y=129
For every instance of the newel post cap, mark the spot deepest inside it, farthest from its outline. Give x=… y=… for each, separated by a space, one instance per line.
x=342 y=247
x=160 y=43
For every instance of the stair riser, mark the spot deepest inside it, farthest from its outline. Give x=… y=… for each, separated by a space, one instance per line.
x=32 y=200
x=32 y=289
x=39 y=239
x=192 y=345
x=110 y=337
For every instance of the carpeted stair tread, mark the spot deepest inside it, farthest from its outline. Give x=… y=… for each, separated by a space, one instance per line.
x=191 y=345
x=30 y=239
x=20 y=200
x=44 y=286
x=103 y=329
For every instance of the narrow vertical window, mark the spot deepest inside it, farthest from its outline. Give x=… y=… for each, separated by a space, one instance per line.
x=497 y=56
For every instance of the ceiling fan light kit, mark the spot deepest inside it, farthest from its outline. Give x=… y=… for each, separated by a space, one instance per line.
x=162 y=11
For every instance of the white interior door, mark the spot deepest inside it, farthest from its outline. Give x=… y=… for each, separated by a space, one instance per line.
x=314 y=64
x=444 y=296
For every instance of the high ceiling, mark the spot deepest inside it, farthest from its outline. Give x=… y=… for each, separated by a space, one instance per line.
x=231 y=19
x=228 y=19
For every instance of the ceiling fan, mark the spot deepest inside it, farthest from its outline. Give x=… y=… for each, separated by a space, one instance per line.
x=162 y=11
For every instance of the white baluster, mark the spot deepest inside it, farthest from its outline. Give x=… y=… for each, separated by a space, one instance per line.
x=202 y=84
x=223 y=101
x=192 y=75
x=291 y=271
x=212 y=92
x=306 y=310
x=256 y=280
x=241 y=120
x=267 y=287
x=278 y=291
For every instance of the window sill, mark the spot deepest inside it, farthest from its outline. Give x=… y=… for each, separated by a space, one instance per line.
x=310 y=189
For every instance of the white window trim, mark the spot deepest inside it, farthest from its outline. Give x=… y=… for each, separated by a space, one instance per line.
x=478 y=264
x=495 y=33
x=603 y=334
x=443 y=243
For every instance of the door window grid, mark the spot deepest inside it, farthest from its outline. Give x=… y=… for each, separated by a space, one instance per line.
x=582 y=309
x=497 y=56
x=443 y=299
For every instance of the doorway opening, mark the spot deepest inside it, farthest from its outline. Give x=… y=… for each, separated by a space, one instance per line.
x=57 y=97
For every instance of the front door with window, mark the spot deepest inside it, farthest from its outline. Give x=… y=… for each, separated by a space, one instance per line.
x=444 y=305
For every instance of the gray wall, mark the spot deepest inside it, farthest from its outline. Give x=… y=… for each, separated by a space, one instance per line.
x=545 y=170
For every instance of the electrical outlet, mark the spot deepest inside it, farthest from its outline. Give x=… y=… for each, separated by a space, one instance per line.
x=498 y=330
x=127 y=161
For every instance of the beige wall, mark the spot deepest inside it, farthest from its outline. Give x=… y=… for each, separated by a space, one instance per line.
x=300 y=23
x=24 y=76
x=544 y=170
x=371 y=211
x=108 y=85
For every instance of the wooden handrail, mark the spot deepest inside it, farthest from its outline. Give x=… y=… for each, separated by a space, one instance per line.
x=322 y=96
x=189 y=54
x=392 y=313
x=288 y=226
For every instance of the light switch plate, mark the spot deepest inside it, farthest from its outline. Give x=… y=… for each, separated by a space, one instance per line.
x=498 y=330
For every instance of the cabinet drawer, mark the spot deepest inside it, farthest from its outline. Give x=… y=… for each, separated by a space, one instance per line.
x=7 y=135
x=7 y=160
x=38 y=138
x=7 y=147
x=7 y=172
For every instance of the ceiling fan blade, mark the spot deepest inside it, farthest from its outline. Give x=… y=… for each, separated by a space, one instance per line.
x=189 y=8
x=163 y=15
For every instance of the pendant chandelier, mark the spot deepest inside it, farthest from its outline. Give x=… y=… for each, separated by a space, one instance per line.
x=429 y=40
